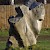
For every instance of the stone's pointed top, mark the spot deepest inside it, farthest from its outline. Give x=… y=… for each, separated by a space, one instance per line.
x=31 y=4
x=28 y=2
x=34 y=4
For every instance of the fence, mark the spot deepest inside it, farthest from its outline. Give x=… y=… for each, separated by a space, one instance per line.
x=5 y=12
x=46 y=23
x=8 y=10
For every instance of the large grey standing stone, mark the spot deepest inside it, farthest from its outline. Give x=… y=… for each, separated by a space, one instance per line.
x=29 y=25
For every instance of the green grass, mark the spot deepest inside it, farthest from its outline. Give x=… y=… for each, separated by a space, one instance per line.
x=4 y=33
x=45 y=31
x=2 y=45
x=40 y=44
x=44 y=44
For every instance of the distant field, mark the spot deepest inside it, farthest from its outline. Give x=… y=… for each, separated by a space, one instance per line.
x=42 y=43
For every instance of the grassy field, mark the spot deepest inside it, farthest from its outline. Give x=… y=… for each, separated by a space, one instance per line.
x=44 y=44
x=4 y=33
x=43 y=32
x=40 y=44
x=2 y=45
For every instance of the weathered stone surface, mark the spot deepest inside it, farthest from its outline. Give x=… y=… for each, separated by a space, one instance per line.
x=29 y=26
x=21 y=27
x=14 y=42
